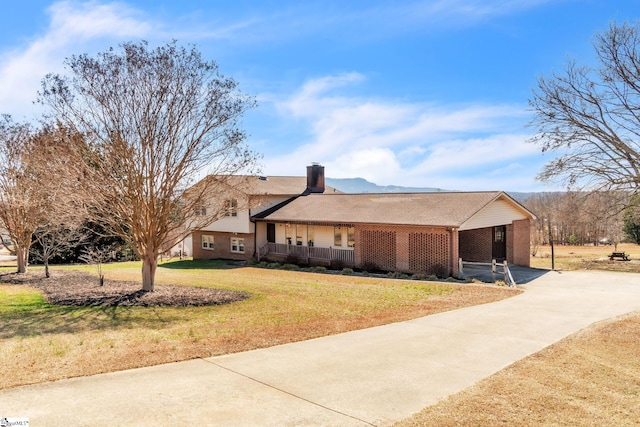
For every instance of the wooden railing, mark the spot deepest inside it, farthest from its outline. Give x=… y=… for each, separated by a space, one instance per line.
x=495 y=270
x=308 y=252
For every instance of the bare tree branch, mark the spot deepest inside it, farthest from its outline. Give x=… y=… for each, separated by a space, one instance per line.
x=591 y=116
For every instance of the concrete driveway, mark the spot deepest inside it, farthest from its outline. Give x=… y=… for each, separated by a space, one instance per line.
x=369 y=377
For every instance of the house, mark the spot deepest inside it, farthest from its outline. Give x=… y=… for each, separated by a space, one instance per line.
x=406 y=232
x=234 y=235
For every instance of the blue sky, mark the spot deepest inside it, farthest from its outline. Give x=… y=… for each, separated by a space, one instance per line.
x=426 y=93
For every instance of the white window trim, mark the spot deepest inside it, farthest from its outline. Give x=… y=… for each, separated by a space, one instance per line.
x=239 y=244
x=231 y=207
x=207 y=242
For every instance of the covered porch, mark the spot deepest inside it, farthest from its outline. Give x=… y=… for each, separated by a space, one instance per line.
x=307 y=254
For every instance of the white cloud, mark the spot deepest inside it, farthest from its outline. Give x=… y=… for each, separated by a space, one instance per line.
x=414 y=144
x=74 y=28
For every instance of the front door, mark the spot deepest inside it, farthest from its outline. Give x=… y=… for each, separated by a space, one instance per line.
x=499 y=251
x=271 y=232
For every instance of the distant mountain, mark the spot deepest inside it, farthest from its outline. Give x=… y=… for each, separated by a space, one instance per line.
x=361 y=185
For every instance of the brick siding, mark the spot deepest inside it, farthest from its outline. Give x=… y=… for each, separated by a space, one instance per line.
x=521 y=241
x=378 y=249
x=409 y=249
x=477 y=245
x=222 y=246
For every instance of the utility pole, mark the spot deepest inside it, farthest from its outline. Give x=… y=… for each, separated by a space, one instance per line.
x=553 y=258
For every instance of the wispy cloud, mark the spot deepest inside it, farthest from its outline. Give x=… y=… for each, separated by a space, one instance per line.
x=74 y=28
x=350 y=21
x=394 y=142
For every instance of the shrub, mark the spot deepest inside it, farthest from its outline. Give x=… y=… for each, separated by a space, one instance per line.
x=319 y=269
x=439 y=270
x=292 y=259
x=347 y=271
x=290 y=267
x=337 y=264
x=369 y=266
x=397 y=275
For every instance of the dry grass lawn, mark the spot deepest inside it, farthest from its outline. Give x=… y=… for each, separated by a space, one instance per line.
x=42 y=342
x=591 y=378
x=588 y=258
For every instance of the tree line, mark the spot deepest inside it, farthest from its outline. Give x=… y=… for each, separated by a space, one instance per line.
x=584 y=218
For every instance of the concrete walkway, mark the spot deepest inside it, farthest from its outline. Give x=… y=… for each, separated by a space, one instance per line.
x=370 y=377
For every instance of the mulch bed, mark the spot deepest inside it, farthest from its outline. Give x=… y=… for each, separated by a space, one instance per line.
x=74 y=288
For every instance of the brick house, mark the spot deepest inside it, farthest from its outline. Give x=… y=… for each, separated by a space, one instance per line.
x=407 y=232
x=234 y=235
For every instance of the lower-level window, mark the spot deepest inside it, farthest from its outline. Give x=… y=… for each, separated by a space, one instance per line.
x=237 y=245
x=207 y=241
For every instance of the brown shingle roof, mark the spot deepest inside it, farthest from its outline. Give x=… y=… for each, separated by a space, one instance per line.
x=446 y=209
x=271 y=185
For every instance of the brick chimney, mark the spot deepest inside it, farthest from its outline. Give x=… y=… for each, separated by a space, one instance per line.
x=315 y=178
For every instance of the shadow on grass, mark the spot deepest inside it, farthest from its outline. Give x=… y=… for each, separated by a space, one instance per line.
x=40 y=318
x=199 y=264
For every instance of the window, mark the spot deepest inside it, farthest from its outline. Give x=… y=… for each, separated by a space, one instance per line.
x=337 y=236
x=207 y=241
x=499 y=234
x=287 y=233
x=201 y=211
x=231 y=207
x=310 y=235
x=237 y=245
x=299 y=231
x=351 y=237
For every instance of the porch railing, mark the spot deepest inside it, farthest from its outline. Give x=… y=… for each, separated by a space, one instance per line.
x=308 y=252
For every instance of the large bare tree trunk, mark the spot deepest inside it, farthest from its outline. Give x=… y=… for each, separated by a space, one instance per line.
x=149 y=266
x=22 y=257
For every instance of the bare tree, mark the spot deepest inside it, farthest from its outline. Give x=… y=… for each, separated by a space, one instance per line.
x=154 y=120
x=53 y=239
x=590 y=115
x=23 y=201
x=98 y=256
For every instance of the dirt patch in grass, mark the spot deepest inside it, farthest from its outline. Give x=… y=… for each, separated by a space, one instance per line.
x=591 y=378
x=79 y=289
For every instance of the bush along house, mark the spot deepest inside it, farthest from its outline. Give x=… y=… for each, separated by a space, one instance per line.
x=405 y=232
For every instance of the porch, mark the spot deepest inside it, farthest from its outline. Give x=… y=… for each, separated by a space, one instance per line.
x=310 y=254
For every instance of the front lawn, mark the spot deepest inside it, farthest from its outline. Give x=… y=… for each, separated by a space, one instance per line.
x=44 y=342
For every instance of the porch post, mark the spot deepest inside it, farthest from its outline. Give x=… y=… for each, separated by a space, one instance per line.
x=455 y=251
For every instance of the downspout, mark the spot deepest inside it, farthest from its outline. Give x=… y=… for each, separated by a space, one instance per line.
x=255 y=235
